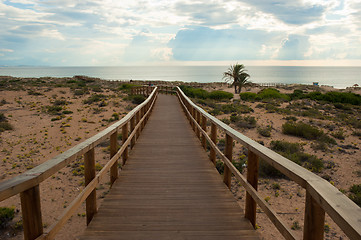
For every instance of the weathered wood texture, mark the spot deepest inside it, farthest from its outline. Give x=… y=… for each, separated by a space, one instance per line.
x=169 y=189
x=325 y=197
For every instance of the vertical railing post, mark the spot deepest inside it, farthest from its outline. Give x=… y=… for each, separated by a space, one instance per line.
x=212 y=155
x=193 y=111
x=137 y=121
x=314 y=219
x=31 y=212
x=204 y=127
x=124 y=139
x=198 y=119
x=252 y=178
x=228 y=152
x=89 y=174
x=113 y=151
x=132 y=126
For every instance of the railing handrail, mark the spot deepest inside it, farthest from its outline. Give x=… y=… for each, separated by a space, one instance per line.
x=345 y=213
x=32 y=178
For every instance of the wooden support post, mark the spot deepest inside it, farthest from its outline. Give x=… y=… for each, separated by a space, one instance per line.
x=124 y=138
x=142 y=115
x=214 y=140
x=113 y=151
x=132 y=126
x=204 y=127
x=314 y=219
x=228 y=152
x=252 y=178
x=89 y=173
x=31 y=212
x=193 y=112
x=198 y=119
x=137 y=121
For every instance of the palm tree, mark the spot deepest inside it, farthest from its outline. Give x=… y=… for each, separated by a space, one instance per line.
x=237 y=76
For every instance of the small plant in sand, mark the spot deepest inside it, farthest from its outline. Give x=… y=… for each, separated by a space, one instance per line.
x=6 y=215
x=4 y=124
x=355 y=193
x=264 y=131
x=338 y=134
x=295 y=226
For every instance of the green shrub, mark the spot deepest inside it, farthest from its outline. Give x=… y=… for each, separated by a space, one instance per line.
x=235 y=108
x=266 y=170
x=338 y=134
x=54 y=109
x=220 y=95
x=138 y=99
x=271 y=93
x=94 y=98
x=294 y=152
x=355 y=193
x=2 y=117
x=285 y=147
x=265 y=131
x=342 y=106
x=6 y=215
x=243 y=122
x=301 y=129
x=4 y=126
x=59 y=102
x=297 y=94
x=248 y=96
x=336 y=97
x=126 y=86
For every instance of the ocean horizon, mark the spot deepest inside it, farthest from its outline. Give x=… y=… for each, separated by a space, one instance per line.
x=337 y=77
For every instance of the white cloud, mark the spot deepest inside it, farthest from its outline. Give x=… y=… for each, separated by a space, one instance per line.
x=78 y=31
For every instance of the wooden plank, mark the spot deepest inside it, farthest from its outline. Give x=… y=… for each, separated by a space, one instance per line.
x=228 y=152
x=113 y=151
x=314 y=220
x=169 y=186
x=124 y=139
x=204 y=127
x=212 y=155
x=252 y=179
x=89 y=174
x=31 y=213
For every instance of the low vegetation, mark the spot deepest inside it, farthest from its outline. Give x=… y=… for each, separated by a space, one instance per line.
x=293 y=152
x=4 y=124
x=355 y=193
x=6 y=215
x=203 y=94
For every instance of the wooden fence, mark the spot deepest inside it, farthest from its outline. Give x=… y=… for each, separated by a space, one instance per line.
x=27 y=184
x=321 y=196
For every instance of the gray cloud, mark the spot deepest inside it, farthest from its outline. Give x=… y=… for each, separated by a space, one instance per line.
x=207 y=14
x=290 y=12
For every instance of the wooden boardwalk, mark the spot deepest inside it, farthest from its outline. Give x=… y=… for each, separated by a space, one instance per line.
x=169 y=189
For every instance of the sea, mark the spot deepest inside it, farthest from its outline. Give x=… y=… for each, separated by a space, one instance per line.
x=337 y=77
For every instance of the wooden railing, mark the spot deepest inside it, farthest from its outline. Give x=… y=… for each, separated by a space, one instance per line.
x=321 y=196
x=27 y=184
x=142 y=90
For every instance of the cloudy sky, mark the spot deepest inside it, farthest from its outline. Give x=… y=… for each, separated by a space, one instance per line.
x=114 y=33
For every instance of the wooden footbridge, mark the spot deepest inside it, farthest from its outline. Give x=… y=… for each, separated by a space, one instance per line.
x=168 y=187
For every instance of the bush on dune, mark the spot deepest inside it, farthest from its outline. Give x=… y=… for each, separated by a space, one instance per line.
x=203 y=94
x=264 y=94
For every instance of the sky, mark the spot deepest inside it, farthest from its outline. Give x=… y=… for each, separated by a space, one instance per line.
x=184 y=32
